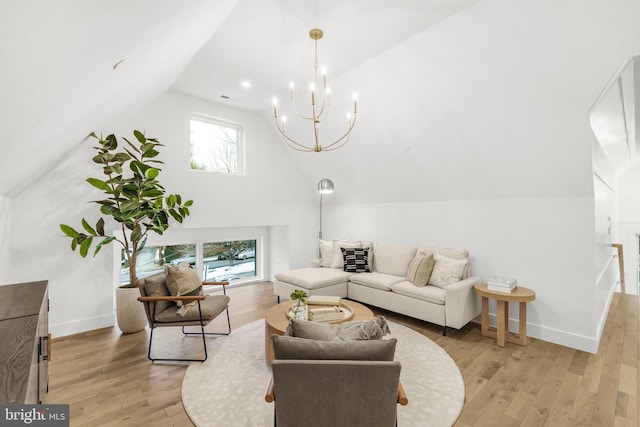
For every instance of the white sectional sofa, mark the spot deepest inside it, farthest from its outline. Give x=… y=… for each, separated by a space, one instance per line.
x=428 y=283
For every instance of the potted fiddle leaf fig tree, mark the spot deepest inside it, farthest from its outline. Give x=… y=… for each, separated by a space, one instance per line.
x=137 y=202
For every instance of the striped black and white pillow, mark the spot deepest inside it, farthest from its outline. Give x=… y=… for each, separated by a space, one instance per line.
x=356 y=260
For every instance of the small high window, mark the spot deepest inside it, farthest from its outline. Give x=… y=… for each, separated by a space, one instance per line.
x=216 y=146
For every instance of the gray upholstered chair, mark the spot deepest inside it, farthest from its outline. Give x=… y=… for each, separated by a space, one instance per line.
x=343 y=387
x=162 y=310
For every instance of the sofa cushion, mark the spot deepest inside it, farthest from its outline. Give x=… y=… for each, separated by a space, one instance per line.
x=356 y=260
x=393 y=259
x=373 y=329
x=314 y=278
x=305 y=349
x=461 y=254
x=429 y=293
x=447 y=271
x=420 y=269
x=338 y=260
x=376 y=280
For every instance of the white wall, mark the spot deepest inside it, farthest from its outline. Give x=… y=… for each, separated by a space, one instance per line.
x=5 y=239
x=272 y=196
x=629 y=225
x=546 y=243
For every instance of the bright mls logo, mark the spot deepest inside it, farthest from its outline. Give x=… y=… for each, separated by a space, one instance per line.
x=34 y=415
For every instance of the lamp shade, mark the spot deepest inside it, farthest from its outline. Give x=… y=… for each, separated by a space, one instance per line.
x=325 y=186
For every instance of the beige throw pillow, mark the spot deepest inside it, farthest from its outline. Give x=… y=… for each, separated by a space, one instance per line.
x=420 y=269
x=447 y=271
x=183 y=280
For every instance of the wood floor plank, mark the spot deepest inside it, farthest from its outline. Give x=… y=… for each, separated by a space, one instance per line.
x=107 y=379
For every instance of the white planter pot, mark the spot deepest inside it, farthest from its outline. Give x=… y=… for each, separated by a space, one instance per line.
x=129 y=311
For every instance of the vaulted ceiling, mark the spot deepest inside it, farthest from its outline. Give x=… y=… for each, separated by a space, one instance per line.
x=458 y=99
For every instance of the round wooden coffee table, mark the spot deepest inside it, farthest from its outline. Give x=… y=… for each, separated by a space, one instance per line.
x=276 y=321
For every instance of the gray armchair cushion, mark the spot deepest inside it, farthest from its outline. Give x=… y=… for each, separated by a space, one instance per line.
x=285 y=347
x=211 y=306
x=321 y=393
x=373 y=329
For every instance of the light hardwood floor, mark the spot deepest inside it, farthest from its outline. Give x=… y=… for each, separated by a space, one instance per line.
x=106 y=378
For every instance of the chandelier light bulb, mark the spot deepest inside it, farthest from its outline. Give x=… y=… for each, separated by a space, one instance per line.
x=312 y=86
x=291 y=85
x=275 y=102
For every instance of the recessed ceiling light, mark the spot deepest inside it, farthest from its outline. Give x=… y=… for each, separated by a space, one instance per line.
x=245 y=84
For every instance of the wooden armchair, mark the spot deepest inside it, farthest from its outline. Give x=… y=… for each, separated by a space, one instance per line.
x=162 y=310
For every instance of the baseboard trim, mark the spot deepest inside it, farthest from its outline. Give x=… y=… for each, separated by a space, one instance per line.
x=82 y=325
x=556 y=336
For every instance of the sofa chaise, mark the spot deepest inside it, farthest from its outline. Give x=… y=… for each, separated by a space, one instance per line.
x=428 y=283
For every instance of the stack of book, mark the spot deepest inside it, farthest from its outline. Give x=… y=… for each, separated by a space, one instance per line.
x=322 y=308
x=502 y=284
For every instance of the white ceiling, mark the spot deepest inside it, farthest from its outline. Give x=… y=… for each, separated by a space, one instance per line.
x=267 y=43
x=458 y=99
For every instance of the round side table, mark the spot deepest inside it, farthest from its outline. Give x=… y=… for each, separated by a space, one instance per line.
x=520 y=295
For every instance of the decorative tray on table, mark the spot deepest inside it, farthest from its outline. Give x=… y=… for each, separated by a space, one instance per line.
x=321 y=313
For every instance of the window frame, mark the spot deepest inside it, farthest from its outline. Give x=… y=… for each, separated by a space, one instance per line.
x=239 y=127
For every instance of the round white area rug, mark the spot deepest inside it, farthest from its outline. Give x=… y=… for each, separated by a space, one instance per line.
x=228 y=389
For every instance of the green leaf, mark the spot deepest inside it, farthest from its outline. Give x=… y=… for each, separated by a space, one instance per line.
x=87 y=227
x=109 y=210
x=136 y=233
x=69 y=231
x=74 y=244
x=102 y=243
x=188 y=203
x=121 y=157
x=100 y=227
x=110 y=143
x=150 y=153
x=151 y=173
x=84 y=246
x=153 y=193
x=139 y=136
x=99 y=158
x=130 y=205
x=99 y=184
x=175 y=215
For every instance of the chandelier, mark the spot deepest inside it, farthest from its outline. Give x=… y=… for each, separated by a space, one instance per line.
x=320 y=102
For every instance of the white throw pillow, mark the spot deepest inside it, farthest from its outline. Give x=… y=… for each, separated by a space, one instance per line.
x=447 y=271
x=326 y=253
x=338 y=260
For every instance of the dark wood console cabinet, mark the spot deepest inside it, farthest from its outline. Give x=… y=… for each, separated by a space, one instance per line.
x=24 y=342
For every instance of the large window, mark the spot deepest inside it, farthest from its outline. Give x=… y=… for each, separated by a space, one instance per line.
x=233 y=260
x=216 y=146
x=152 y=259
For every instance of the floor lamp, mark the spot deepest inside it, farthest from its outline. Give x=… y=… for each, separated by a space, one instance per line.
x=325 y=186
